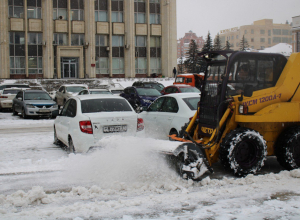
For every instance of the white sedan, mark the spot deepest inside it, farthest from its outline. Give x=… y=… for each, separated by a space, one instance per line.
x=168 y=113
x=85 y=119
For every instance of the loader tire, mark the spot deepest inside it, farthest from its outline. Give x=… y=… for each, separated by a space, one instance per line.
x=287 y=148
x=243 y=151
x=183 y=128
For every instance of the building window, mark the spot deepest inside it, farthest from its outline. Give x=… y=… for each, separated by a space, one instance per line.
x=252 y=39
x=35 y=53
x=77 y=10
x=155 y=54
x=269 y=32
x=16 y=9
x=101 y=10
x=77 y=39
x=117 y=54
x=286 y=40
x=237 y=36
x=245 y=32
x=269 y=40
x=154 y=6
x=276 y=39
x=140 y=54
x=116 y=10
x=17 y=52
x=252 y=31
x=60 y=10
x=262 y=31
x=277 y=31
x=60 y=39
x=285 y=32
x=34 y=9
x=139 y=11
x=101 y=54
x=232 y=37
x=262 y=40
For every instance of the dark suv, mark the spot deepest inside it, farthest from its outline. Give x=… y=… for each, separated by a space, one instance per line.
x=140 y=96
x=155 y=85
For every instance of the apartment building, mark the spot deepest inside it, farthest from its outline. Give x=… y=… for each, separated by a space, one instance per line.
x=183 y=44
x=259 y=35
x=296 y=34
x=87 y=38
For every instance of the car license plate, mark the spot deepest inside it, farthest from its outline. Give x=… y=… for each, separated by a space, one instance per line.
x=44 y=110
x=114 y=128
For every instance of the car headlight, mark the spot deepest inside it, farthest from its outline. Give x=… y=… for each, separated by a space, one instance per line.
x=55 y=106
x=30 y=106
x=147 y=101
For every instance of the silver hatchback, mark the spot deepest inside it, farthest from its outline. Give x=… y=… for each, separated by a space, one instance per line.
x=34 y=103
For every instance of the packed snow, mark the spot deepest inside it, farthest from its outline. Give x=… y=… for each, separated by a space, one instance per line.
x=127 y=179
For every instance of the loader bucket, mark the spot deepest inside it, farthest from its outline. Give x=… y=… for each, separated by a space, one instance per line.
x=190 y=161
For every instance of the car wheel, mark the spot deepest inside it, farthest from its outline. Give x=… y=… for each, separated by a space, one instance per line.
x=171 y=133
x=56 y=140
x=287 y=148
x=243 y=151
x=71 y=148
x=24 y=114
x=14 y=111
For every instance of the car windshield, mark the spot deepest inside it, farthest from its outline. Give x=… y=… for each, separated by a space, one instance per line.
x=74 y=88
x=37 y=96
x=180 y=79
x=105 y=105
x=147 y=92
x=100 y=92
x=189 y=89
x=11 y=91
x=157 y=86
x=192 y=102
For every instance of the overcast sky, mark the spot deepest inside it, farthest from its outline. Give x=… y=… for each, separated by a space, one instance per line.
x=201 y=16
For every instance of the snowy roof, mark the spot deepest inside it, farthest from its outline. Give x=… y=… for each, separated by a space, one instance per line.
x=282 y=48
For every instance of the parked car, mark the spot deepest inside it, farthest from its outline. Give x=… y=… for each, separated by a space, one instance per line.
x=191 y=79
x=94 y=91
x=116 y=88
x=167 y=114
x=10 y=85
x=7 y=96
x=153 y=84
x=34 y=103
x=67 y=91
x=85 y=119
x=179 y=89
x=140 y=96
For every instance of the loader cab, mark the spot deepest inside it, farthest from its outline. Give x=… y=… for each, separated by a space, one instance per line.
x=227 y=74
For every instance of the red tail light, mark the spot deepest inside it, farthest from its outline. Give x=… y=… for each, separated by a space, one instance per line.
x=140 y=124
x=86 y=127
x=3 y=97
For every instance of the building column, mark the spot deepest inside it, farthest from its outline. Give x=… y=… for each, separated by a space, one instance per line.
x=90 y=32
x=129 y=51
x=48 y=52
x=4 y=41
x=169 y=37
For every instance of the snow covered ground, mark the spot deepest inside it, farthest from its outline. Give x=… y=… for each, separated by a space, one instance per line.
x=127 y=180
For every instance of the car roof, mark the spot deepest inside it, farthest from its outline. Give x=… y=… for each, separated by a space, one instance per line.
x=14 y=84
x=16 y=88
x=97 y=89
x=96 y=96
x=183 y=95
x=69 y=85
x=37 y=90
x=180 y=85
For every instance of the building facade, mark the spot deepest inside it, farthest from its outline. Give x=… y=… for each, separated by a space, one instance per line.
x=183 y=44
x=261 y=34
x=87 y=38
x=296 y=34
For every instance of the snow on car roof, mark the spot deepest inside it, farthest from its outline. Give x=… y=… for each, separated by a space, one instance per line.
x=69 y=85
x=95 y=96
x=184 y=94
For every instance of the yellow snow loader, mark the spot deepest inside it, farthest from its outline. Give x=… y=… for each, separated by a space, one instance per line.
x=249 y=109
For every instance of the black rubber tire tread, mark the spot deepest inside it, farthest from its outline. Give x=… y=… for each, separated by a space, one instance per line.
x=14 y=111
x=183 y=128
x=229 y=150
x=71 y=147
x=24 y=116
x=287 y=143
